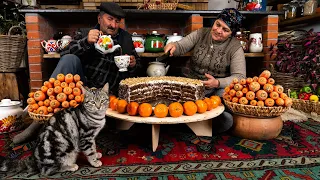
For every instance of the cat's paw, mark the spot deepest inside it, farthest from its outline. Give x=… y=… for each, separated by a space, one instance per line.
x=72 y=168
x=96 y=163
x=99 y=155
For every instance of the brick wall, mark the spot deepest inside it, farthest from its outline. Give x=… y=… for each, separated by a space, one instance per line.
x=44 y=27
x=38 y=28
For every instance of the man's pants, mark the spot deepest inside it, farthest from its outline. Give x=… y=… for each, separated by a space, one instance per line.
x=69 y=64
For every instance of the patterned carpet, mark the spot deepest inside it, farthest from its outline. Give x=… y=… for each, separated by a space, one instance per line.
x=127 y=155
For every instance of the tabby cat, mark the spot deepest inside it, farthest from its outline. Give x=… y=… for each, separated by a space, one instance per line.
x=64 y=135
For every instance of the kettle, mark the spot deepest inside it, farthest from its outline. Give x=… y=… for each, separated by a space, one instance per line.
x=173 y=38
x=157 y=69
x=105 y=44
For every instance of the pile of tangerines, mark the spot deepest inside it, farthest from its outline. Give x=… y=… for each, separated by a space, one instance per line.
x=55 y=94
x=257 y=91
x=175 y=109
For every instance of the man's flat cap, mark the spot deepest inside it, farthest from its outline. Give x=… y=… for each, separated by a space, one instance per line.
x=113 y=9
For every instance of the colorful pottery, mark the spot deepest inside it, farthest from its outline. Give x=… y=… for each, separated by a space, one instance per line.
x=64 y=42
x=255 y=43
x=122 y=62
x=105 y=44
x=50 y=46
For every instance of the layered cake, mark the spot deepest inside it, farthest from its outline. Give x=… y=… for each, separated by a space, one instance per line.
x=149 y=89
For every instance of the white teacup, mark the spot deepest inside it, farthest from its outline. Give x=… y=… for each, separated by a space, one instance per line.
x=122 y=62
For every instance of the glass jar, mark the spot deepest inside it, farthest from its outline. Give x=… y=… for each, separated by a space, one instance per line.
x=310 y=7
x=243 y=41
x=292 y=10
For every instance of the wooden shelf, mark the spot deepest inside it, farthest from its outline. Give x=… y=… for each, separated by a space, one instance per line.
x=154 y=55
x=51 y=56
x=301 y=20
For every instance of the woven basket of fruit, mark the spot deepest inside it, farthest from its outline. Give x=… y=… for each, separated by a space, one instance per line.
x=257 y=96
x=306 y=106
x=55 y=95
x=256 y=111
x=39 y=117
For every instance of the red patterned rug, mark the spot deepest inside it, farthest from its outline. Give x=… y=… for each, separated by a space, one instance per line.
x=295 y=154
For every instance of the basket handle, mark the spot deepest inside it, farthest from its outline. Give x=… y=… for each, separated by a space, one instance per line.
x=13 y=27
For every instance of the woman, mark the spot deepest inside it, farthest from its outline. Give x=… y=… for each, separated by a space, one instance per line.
x=217 y=58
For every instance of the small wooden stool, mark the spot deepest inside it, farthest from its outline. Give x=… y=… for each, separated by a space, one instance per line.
x=256 y=128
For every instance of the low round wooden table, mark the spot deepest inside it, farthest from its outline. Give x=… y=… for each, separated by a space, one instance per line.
x=200 y=124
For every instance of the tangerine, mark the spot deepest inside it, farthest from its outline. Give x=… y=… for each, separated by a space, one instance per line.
x=190 y=108
x=175 y=109
x=161 y=110
x=209 y=103
x=145 y=110
x=217 y=98
x=113 y=104
x=201 y=106
x=121 y=106
x=132 y=108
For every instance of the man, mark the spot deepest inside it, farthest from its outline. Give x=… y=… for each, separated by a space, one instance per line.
x=96 y=69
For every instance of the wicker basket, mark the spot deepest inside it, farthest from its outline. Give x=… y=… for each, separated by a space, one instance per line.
x=255 y=111
x=11 y=50
x=39 y=117
x=161 y=6
x=287 y=80
x=306 y=106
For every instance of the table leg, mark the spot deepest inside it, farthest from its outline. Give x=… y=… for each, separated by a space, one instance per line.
x=123 y=125
x=201 y=128
x=155 y=136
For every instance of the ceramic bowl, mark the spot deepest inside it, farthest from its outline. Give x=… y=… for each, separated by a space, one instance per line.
x=122 y=62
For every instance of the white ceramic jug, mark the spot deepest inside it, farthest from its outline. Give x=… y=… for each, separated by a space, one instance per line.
x=10 y=111
x=255 y=43
x=157 y=69
x=64 y=42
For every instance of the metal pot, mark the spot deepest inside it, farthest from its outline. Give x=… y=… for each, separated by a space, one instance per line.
x=10 y=112
x=173 y=38
x=154 y=42
x=138 y=42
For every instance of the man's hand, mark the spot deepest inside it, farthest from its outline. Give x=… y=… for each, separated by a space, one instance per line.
x=211 y=82
x=171 y=47
x=133 y=61
x=93 y=36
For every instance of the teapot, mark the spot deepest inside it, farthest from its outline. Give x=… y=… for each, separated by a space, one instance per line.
x=10 y=112
x=157 y=69
x=105 y=44
x=154 y=42
x=50 y=46
x=138 y=42
x=64 y=42
x=173 y=38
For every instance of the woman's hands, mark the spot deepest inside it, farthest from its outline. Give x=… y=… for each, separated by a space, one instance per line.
x=211 y=82
x=171 y=47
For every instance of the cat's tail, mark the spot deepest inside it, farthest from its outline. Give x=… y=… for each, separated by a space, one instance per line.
x=17 y=165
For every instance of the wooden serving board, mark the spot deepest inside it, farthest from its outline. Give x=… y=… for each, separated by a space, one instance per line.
x=167 y=120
